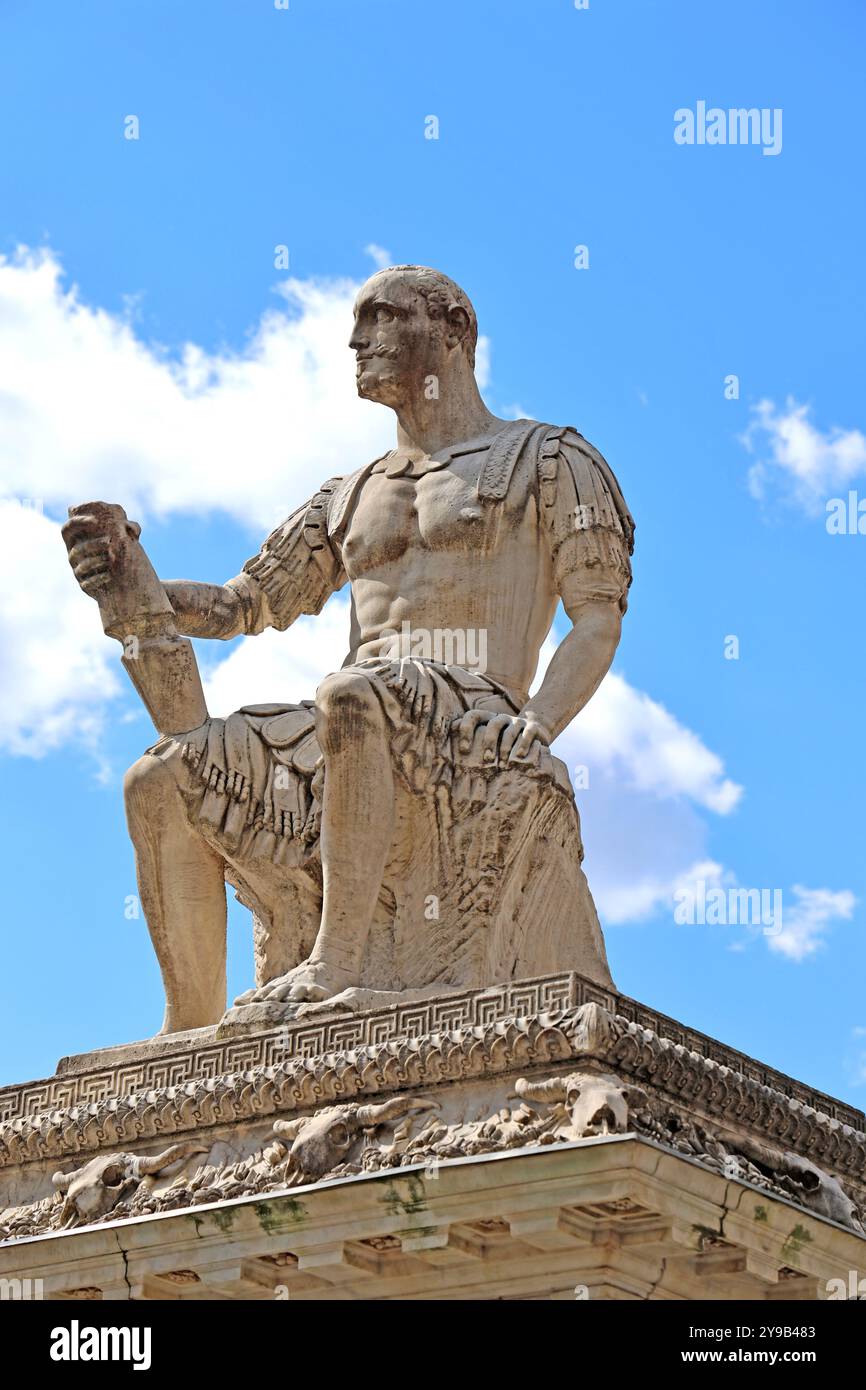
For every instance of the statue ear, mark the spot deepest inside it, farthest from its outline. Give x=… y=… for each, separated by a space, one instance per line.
x=458 y=325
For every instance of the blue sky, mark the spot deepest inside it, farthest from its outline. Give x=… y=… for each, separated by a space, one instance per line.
x=153 y=355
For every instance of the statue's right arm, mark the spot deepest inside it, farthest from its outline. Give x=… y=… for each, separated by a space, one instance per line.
x=295 y=572
x=206 y=610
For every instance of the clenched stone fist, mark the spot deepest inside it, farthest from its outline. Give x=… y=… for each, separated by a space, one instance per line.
x=95 y=536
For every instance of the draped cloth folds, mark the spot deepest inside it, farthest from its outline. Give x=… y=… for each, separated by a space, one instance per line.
x=257 y=776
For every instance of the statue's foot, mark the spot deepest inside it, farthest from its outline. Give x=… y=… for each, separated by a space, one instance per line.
x=308 y=983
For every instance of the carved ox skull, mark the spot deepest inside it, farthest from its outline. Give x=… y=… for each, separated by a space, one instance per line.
x=820 y=1191
x=320 y=1142
x=806 y=1182
x=94 y=1190
x=589 y=1103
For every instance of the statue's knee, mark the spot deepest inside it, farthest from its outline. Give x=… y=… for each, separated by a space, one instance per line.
x=147 y=785
x=346 y=695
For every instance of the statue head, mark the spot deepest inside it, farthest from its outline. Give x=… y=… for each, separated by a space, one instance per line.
x=411 y=324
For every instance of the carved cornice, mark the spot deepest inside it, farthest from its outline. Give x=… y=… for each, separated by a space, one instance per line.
x=693 y=1084
x=342 y=1034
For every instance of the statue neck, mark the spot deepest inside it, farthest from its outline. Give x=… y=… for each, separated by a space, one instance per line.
x=426 y=426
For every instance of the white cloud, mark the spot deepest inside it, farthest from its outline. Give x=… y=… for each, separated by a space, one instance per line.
x=89 y=410
x=626 y=899
x=798 y=460
x=378 y=255
x=805 y=925
x=55 y=662
x=648 y=777
x=482 y=363
x=622 y=730
x=280 y=667
x=641 y=845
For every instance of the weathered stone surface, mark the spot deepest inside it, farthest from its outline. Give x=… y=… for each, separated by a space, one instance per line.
x=536 y=1064
x=409 y=830
x=614 y=1217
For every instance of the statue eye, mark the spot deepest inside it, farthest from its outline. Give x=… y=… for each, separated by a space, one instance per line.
x=384 y=314
x=112 y=1177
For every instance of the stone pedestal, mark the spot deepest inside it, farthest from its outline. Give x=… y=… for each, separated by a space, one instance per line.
x=543 y=1139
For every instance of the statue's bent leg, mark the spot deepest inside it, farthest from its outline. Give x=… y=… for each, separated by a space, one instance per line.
x=181 y=883
x=357 y=828
x=357 y=815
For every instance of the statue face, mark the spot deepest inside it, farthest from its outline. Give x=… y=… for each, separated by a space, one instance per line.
x=397 y=346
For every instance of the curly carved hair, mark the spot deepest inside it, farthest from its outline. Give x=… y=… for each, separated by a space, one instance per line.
x=441 y=294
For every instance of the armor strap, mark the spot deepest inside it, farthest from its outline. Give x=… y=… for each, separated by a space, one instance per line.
x=344 y=495
x=506 y=448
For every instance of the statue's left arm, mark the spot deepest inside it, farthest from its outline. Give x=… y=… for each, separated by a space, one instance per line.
x=591 y=537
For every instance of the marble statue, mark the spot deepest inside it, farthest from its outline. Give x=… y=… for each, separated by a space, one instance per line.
x=408 y=831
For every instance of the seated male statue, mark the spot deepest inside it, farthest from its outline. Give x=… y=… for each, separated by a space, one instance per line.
x=408 y=832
